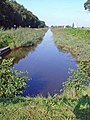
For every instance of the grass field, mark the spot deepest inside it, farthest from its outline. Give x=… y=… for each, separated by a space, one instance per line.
x=21 y=37
x=76 y=41
x=63 y=107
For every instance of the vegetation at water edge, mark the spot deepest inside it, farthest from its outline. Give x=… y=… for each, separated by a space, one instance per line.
x=21 y=37
x=12 y=82
x=74 y=40
x=73 y=104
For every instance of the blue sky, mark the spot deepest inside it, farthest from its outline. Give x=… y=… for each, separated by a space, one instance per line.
x=59 y=12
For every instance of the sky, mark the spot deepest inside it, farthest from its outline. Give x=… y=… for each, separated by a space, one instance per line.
x=59 y=12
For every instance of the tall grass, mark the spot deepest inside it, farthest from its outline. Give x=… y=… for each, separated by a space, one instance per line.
x=63 y=107
x=21 y=37
x=76 y=41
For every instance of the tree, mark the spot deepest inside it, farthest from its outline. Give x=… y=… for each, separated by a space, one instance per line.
x=12 y=13
x=87 y=5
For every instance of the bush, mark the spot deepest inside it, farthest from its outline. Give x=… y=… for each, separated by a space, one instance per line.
x=11 y=81
x=78 y=80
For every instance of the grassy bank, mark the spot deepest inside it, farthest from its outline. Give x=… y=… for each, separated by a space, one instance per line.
x=63 y=107
x=76 y=41
x=21 y=37
x=72 y=104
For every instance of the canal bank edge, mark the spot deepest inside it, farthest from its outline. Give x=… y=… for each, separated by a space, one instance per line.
x=4 y=51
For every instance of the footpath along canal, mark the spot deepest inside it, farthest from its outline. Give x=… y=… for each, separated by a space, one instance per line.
x=45 y=64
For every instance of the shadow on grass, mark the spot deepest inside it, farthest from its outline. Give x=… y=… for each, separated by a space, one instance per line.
x=15 y=100
x=82 y=109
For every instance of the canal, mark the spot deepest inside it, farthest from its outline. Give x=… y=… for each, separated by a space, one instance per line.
x=46 y=65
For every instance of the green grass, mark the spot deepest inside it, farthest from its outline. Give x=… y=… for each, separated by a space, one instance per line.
x=76 y=41
x=21 y=37
x=63 y=107
x=32 y=109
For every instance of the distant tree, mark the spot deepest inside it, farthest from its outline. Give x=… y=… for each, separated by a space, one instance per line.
x=41 y=24
x=68 y=26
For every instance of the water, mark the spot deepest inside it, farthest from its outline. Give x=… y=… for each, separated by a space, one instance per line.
x=46 y=65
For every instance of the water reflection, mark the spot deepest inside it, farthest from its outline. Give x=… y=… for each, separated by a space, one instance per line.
x=19 y=53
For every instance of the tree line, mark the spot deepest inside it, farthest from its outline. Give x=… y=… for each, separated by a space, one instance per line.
x=14 y=14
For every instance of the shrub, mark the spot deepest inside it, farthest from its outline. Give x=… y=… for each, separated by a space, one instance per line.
x=11 y=81
x=78 y=80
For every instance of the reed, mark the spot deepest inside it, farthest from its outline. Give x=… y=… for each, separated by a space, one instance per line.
x=21 y=37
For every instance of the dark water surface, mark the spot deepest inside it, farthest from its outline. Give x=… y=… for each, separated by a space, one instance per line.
x=46 y=65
